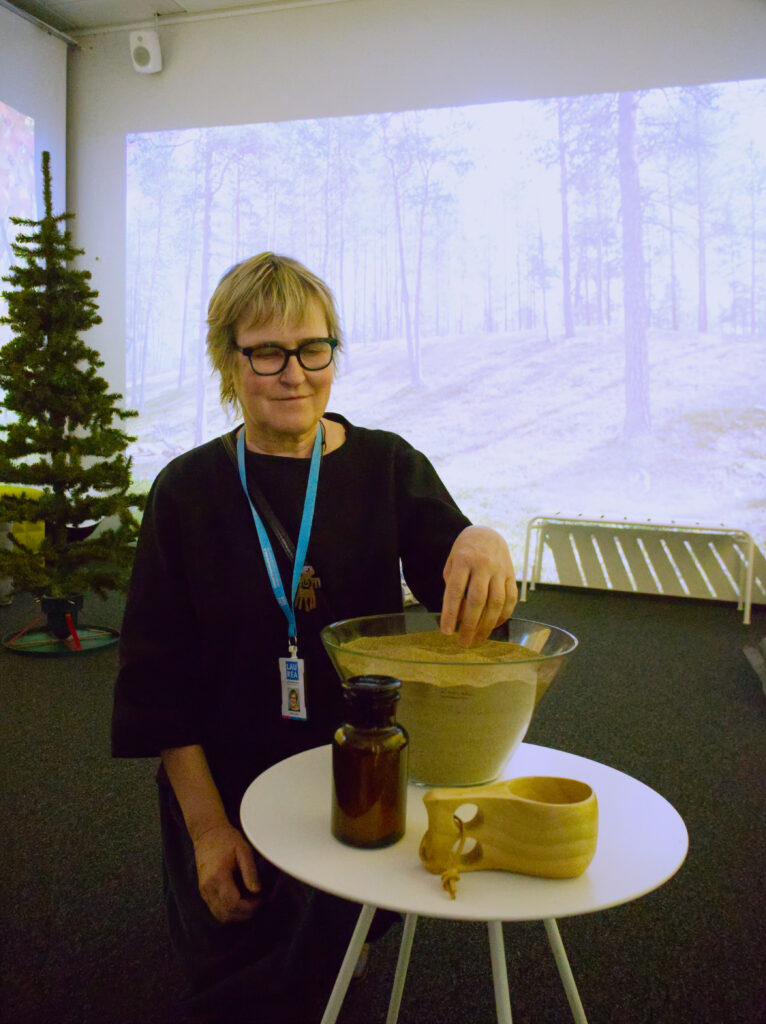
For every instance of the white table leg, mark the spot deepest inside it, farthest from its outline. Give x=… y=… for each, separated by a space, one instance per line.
x=346 y=971
x=499 y=972
x=405 y=948
x=565 y=971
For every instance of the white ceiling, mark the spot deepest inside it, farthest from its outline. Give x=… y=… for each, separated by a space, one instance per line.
x=74 y=15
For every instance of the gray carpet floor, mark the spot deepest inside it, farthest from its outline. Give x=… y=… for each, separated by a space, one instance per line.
x=658 y=688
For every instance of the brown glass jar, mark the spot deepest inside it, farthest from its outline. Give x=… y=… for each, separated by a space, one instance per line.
x=369 y=765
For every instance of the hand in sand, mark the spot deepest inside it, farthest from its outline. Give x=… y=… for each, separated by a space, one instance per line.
x=480 y=585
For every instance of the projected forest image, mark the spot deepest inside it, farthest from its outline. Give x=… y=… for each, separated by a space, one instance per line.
x=17 y=187
x=562 y=302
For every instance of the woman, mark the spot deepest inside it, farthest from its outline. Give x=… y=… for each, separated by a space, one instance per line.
x=212 y=620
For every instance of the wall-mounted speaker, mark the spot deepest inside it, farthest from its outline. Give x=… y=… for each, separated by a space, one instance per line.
x=145 y=51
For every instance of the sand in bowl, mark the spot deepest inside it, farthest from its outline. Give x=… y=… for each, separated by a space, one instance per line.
x=465 y=709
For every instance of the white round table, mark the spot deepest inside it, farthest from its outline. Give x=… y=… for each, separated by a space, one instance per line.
x=642 y=841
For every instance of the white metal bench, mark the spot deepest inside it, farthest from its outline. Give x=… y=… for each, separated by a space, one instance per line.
x=648 y=558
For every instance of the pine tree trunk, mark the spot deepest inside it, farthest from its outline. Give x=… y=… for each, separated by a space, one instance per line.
x=566 y=283
x=637 y=414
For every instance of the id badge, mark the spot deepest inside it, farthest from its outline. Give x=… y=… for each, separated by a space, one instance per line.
x=293 y=693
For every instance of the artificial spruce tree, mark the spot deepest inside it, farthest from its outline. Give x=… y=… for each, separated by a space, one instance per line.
x=64 y=438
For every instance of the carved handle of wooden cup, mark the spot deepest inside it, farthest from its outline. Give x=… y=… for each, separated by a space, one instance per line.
x=535 y=825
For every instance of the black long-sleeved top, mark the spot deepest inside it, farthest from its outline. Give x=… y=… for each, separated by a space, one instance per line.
x=202 y=632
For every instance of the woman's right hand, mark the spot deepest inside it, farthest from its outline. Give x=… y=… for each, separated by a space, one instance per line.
x=224 y=857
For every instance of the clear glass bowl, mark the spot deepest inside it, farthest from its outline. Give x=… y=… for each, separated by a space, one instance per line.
x=464 y=713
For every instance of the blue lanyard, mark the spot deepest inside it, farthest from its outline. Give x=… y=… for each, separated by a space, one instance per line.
x=303 y=537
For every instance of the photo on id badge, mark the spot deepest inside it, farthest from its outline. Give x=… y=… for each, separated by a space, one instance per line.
x=291 y=674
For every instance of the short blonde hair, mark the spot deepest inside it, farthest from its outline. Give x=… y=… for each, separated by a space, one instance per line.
x=264 y=287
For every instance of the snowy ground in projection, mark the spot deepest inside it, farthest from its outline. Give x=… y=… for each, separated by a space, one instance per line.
x=519 y=427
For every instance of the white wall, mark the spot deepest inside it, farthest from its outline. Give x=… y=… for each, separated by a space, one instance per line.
x=33 y=69
x=369 y=55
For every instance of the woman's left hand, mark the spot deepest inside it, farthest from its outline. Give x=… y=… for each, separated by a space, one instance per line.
x=480 y=585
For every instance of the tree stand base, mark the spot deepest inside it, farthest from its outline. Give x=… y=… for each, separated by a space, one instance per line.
x=60 y=634
x=40 y=642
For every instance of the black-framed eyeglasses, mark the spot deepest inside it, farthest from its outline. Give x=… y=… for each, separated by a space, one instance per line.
x=270 y=359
